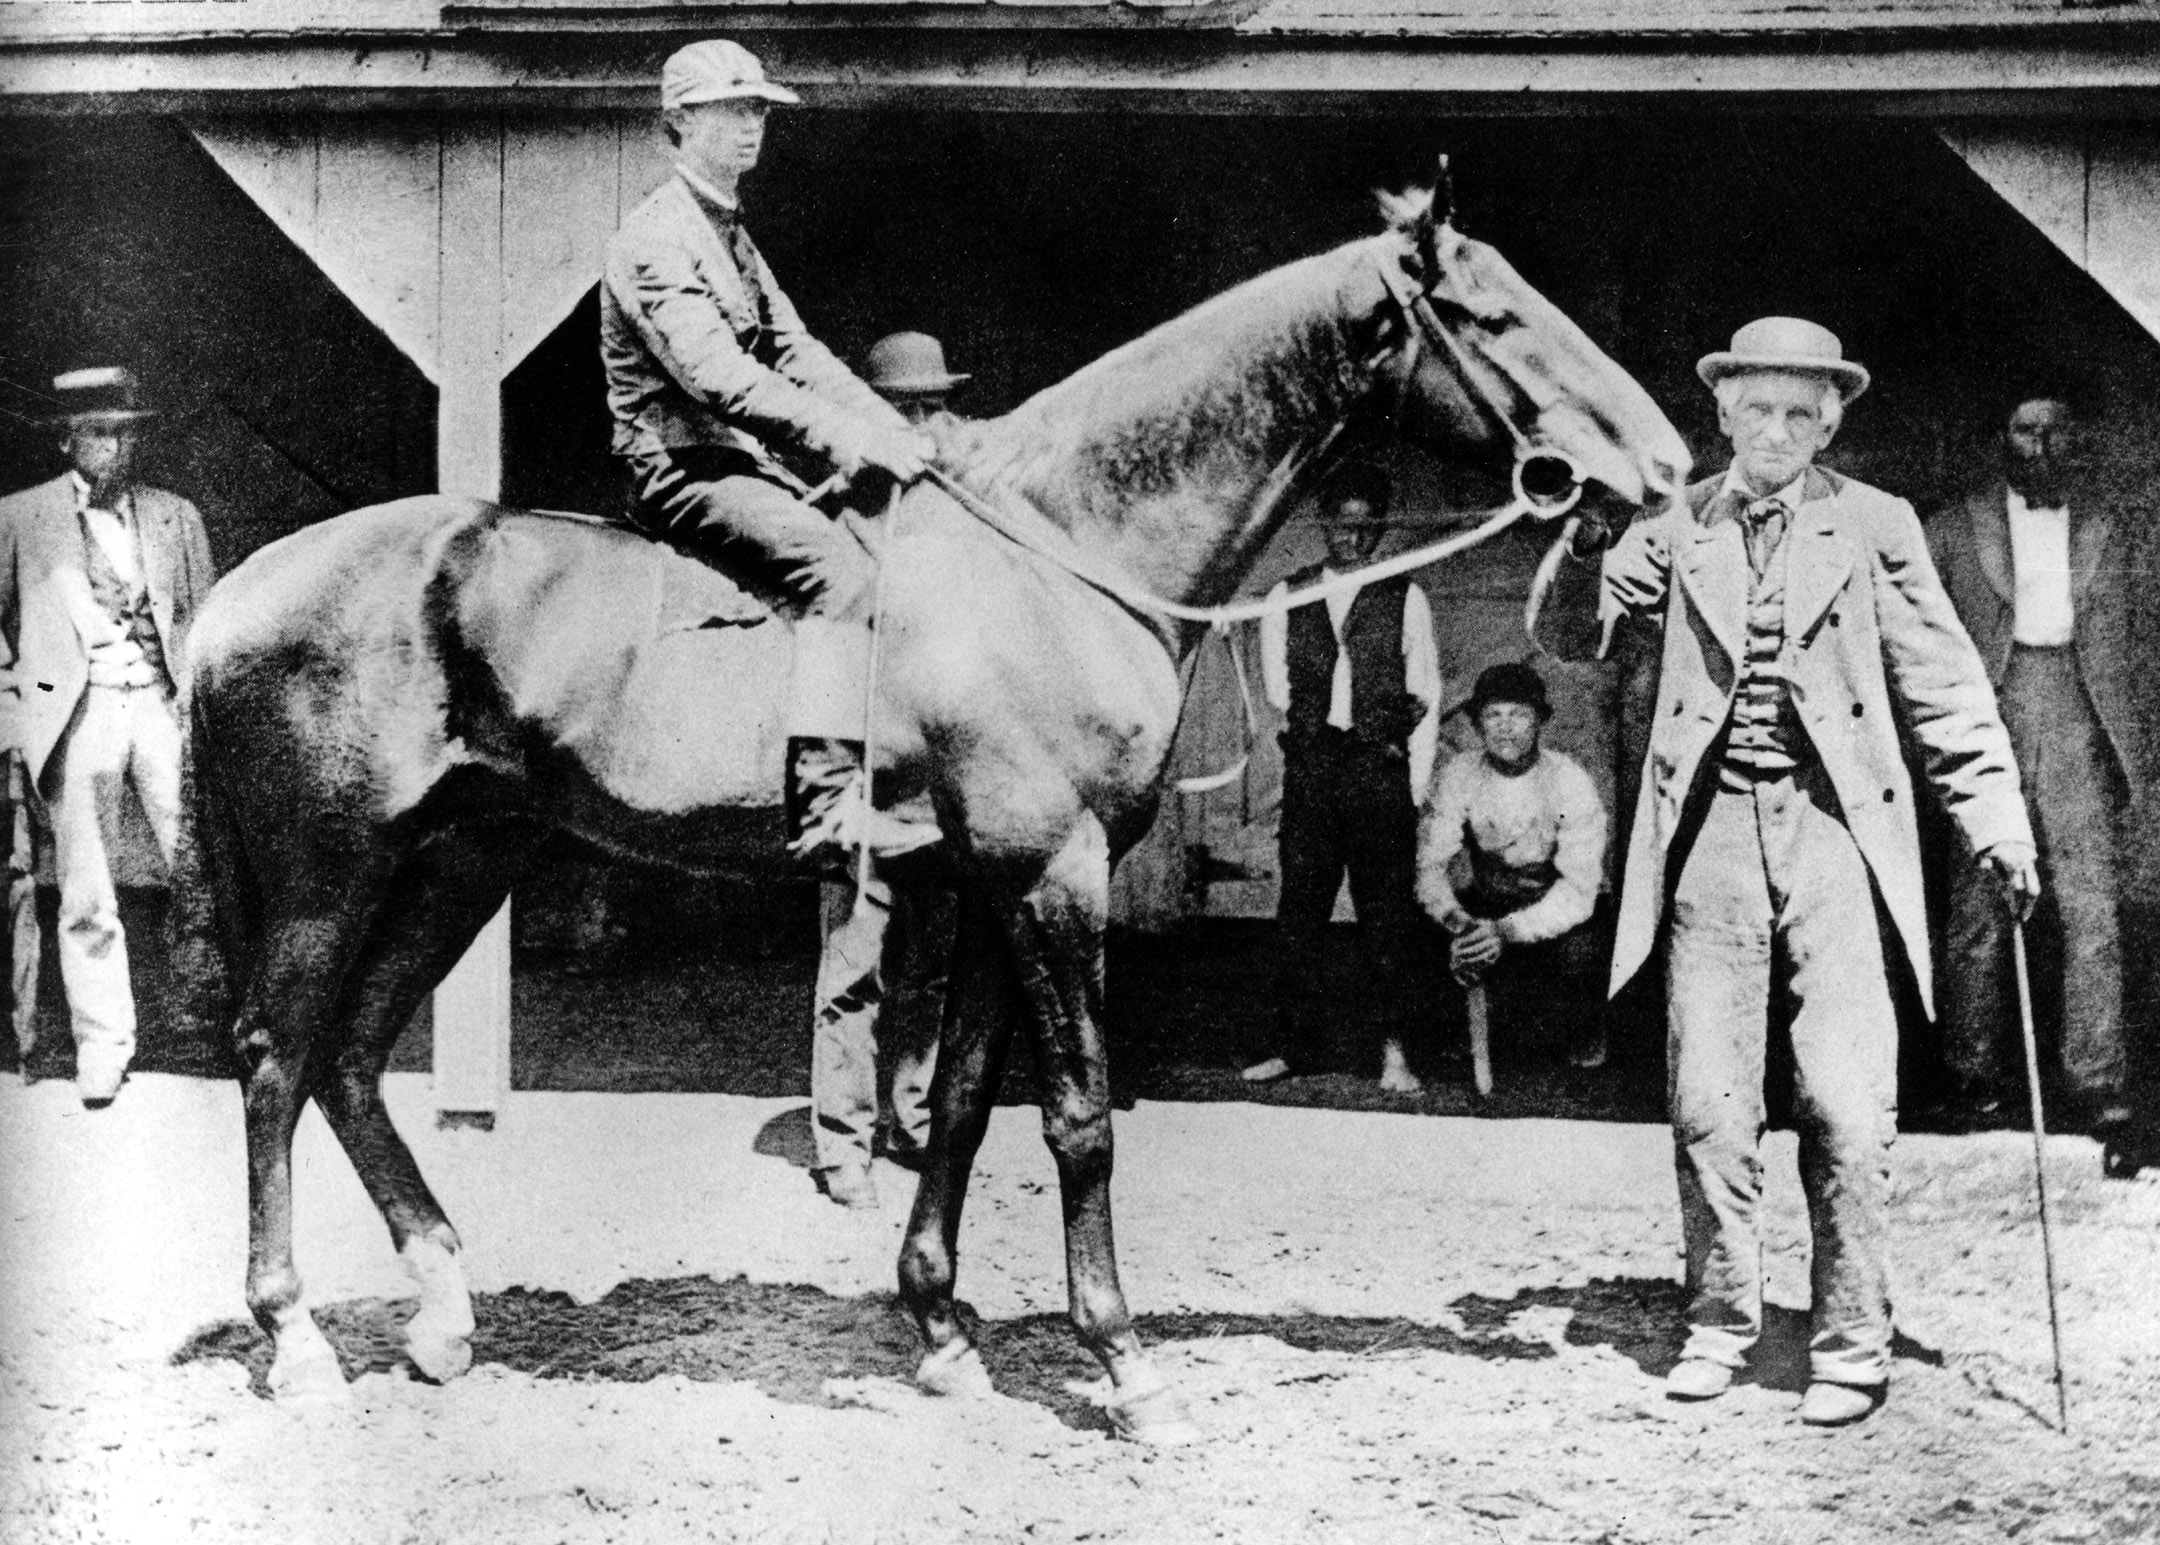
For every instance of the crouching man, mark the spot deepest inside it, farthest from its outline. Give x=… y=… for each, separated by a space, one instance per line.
x=1529 y=823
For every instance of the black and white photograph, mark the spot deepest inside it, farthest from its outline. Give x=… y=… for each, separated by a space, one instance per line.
x=1008 y=772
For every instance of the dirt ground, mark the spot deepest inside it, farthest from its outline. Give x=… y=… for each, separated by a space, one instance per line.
x=1391 y=1327
x=1394 y=1321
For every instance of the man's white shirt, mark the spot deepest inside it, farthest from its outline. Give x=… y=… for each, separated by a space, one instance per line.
x=1421 y=669
x=2040 y=562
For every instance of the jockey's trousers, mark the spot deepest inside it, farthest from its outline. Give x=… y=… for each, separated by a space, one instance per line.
x=758 y=533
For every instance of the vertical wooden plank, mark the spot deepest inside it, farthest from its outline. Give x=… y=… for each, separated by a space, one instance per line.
x=2038 y=169
x=472 y=1006
x=2123 y=220
x=359 y=196
x=560 y=189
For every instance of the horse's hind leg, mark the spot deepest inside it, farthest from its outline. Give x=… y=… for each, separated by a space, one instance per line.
x=290 y=998
x=979 y=1014
x=1057 y=944
x=441 y=898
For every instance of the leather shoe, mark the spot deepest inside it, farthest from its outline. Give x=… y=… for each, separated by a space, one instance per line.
x=1266 y=1072
x=1697 y=1378
x=849 y=1185
x=1840 y=1405
x=98 y=1081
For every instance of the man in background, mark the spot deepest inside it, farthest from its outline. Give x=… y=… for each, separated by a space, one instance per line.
x=1526 y=823
x=1359 y=678
x=900 y=937
x=2049 y=566
x=100 y=577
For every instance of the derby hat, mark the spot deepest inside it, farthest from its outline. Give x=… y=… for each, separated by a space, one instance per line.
x=1509 y=682
x=1359 y=480
x=717 y=70
x=909 y=365
x=1790 y=344
x=105 y=397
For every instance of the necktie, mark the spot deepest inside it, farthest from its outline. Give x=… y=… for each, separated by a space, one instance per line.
x=729 y=223
x=1764 y=522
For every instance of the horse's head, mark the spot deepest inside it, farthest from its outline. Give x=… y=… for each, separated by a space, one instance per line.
x=1483 y=362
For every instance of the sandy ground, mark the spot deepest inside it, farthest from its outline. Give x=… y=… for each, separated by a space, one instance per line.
x=1392 y=1327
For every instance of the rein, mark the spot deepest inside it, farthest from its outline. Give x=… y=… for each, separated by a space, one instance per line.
x=1035 y=532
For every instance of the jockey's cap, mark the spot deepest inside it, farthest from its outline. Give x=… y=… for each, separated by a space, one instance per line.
x=716 y=70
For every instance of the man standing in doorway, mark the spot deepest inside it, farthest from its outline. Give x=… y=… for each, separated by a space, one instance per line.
x=727 y=412
x=1359 y=678
x=100 y=577
x=2048 y=566
x=901 y=938
x=1775 y=844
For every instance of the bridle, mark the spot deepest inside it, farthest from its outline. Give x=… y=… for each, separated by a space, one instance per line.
x=1545 y=482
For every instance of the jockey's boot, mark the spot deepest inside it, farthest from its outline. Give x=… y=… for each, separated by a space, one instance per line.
x=829 y=813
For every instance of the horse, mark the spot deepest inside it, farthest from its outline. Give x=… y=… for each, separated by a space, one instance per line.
x=389 y=711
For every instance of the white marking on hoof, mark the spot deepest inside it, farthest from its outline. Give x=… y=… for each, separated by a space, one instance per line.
x=1155 y=1416
x=438 y=1338
x=305 y=1370
x=955 y=1369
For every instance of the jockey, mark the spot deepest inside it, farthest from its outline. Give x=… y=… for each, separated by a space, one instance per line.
x=727 y=410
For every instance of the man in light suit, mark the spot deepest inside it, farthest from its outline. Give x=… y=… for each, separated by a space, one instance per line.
x=1775 y=841
x=99 y=578
x=2049 y=566
x=728 y=412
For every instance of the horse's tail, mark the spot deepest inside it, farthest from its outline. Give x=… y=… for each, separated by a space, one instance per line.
x=212 y=914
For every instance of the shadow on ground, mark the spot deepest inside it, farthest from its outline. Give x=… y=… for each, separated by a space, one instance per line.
x=790 y=1339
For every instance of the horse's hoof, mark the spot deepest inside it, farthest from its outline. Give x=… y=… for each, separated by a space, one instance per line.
x=1156 y=1417
x=308 y=1376
x=2121 y=1161
x=955 y=1369
x=441 y=1355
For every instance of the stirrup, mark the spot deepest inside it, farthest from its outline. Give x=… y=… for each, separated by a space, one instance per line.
x=848 y=821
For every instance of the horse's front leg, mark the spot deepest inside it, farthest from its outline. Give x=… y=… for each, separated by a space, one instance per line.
x=980 y=1009
x=1057 y=944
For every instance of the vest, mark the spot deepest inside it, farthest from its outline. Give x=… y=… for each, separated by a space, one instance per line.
x=131 y=612
x=1372 y=632
x=1763 y=736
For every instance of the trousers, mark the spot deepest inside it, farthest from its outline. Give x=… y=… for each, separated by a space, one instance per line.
x=120 y=737
x=780 y=549
x=901 y=939
x=2075 y=794
x=1346 y=807
x=1773 y=892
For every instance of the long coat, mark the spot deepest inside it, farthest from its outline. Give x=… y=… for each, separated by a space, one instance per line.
x=2111 y=574
x=1871 y=640
x=692 y=359
x=45 y=601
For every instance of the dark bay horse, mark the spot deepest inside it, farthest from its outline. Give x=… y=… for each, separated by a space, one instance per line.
x=390 y=711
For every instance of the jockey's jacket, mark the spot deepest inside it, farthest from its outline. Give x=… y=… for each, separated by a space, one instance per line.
x=703 y=348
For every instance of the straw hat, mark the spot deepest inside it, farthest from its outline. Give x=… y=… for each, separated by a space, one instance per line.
x=1785 y=343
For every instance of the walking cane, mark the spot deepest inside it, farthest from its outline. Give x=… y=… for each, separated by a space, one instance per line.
x=2039 y=1129
x=1477 y=1008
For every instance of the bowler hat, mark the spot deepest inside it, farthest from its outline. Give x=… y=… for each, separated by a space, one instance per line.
x=105 y=397
x=1785 y=343
x=717 y=70
x=909 y=365
x=1509 y=682
x=1359 y=480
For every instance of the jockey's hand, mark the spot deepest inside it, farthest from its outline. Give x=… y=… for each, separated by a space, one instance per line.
x=1474 y=950
x=2015 y=868
x=900 y=454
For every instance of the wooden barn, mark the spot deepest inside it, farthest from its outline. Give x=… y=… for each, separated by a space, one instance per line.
x=353 y=246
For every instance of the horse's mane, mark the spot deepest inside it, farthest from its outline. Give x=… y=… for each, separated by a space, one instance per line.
x=1239 y=376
